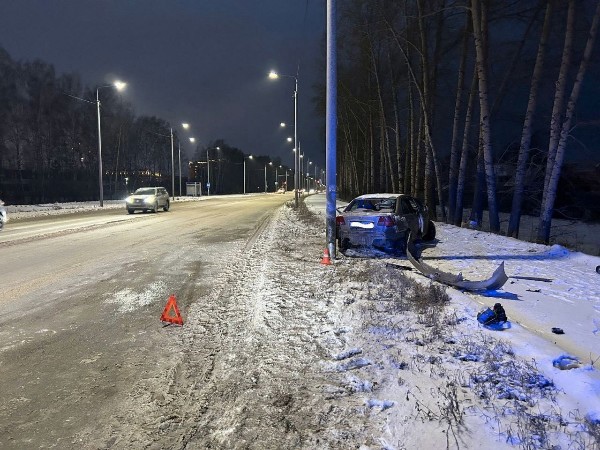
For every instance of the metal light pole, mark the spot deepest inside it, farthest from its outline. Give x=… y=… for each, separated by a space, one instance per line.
x=249 y=157
x=179 y=145
x=207 y=174
x=99 y=151
x=119 y=85
x=331 y=126
x=275 y=75
x=172 y=169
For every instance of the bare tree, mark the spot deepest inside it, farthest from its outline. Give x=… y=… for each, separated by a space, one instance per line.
x=454 y=156
x=552 y=187
x=478 y=13
x=517 y=201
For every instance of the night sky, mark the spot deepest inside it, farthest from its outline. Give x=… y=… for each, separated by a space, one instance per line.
x=199 y=61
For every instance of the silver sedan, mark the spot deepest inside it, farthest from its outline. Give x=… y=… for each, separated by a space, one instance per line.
x=383 y=221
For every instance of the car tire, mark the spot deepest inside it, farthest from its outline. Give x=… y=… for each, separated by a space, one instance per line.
x=166 y=207
x=130 y=211
x=430 y=235
x=343 y=245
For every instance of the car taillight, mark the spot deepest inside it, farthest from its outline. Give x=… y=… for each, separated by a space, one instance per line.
x=339 y=220
x=386 y=221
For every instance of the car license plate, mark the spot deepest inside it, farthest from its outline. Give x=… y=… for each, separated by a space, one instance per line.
x=366 y=226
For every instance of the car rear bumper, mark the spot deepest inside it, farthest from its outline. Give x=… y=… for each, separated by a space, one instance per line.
x=386 y=239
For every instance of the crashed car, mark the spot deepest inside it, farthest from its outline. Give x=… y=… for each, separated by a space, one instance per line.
x=383 y=221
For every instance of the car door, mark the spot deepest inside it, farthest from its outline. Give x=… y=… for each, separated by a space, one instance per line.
x=409 y=212
x=163 y=196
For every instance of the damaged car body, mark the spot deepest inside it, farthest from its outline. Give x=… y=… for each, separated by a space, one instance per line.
x=383 y=221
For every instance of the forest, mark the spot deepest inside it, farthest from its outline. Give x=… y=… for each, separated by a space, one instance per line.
x=49 y=143
x=475 y=106
x=490 y=105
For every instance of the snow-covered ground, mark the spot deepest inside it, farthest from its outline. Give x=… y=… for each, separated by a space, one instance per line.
x=555 y=375
x=405 y=373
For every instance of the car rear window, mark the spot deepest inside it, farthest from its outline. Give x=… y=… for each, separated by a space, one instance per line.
x=375 y=204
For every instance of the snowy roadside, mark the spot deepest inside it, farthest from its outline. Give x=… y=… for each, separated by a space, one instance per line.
x=358 y=355
x=435 y=377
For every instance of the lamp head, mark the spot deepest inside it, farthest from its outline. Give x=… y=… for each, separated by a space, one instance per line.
x=192 y=140
x=185 y=125
x=273 y=75
x=120 y=85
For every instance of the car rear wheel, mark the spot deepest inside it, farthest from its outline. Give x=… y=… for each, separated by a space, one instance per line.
x=430 y=235
x=343 y=245
x=166 y=207
x=130 y=211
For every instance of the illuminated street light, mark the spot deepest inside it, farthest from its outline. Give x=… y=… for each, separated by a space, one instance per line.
x=245 y=157
x=192 y=140
x=208 y=172
x=270 y=164
x=273 y=75
x=119 y=85
x=282 y=125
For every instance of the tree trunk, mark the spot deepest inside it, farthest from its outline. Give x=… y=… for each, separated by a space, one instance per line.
x=517 y=201
x=454 y=160
x=548 y=205
x=464 y=157
x=399 y=186
x=559 y=96
x=480 y=33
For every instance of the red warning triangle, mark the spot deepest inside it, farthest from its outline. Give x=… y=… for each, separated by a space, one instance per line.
x=166 y=315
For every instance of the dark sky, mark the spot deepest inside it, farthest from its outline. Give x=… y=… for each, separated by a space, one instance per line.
x=200 y=61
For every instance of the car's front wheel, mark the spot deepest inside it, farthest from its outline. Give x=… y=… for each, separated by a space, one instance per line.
x=430 y=235
x=130 y=211
x=166 y=207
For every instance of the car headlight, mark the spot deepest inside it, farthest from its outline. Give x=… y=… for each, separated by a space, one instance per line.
x=129 y=199
x=150 y=199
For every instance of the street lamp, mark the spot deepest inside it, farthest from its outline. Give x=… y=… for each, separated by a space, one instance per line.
x=208 y=171
x=245 y=157
x=270 y=164
x=119 y=85
x=273 y=75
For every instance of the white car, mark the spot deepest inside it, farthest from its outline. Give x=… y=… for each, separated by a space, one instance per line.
x=3 y=215
x=148 y=199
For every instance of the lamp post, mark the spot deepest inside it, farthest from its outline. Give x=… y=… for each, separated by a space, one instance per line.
x=274 y=75
x=185 y=127
x=208 y=171
x=249 y=157
x=270 y=164
x=119 y=85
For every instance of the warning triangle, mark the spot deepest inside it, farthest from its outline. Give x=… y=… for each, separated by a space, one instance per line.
x=166 y=315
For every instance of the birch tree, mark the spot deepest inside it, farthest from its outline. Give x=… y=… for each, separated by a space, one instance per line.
x=551 y=189
x=517 y=201
x=478 y=12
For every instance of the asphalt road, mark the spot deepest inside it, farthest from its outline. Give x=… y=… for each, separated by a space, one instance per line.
x=81 y=300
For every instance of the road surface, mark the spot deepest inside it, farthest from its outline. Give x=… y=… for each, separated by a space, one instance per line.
x=84 y=360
